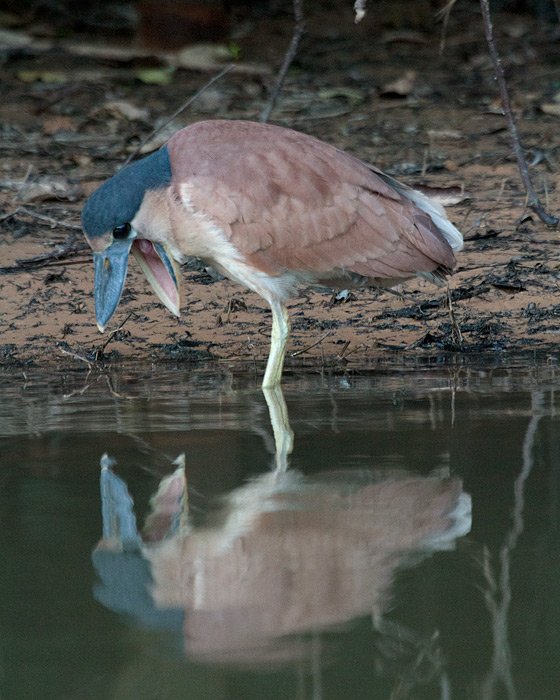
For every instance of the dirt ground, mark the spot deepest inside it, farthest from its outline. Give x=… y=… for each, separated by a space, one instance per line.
x=73 y=109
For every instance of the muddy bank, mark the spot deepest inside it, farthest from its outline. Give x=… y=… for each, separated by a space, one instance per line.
x=378 y=90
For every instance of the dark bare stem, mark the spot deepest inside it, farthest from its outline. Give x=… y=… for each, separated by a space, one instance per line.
x=299 y=30
x=112 y=335
x=456 y=334
x=533 y=202
x=557 y=9
x=444 y=14
x=177 y=113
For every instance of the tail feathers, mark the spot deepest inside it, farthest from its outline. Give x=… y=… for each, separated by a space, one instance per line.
x=438 y=215
x=434 y=210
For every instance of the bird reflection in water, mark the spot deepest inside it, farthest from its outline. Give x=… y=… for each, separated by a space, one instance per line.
x=285 y=555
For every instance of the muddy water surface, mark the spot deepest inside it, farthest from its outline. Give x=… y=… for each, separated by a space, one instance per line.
x=407 y=547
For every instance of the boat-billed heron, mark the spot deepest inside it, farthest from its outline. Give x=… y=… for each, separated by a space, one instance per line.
x=268 y=207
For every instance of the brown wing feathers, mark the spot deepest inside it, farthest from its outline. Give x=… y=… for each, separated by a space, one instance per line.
x=288 y=202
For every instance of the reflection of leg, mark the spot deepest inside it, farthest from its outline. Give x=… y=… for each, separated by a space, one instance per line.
x=283 y=435
x=280 y=332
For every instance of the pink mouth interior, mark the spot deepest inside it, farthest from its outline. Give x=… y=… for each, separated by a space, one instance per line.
x=157 y=268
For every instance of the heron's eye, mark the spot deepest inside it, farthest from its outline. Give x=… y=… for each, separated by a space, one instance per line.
x=121 y=232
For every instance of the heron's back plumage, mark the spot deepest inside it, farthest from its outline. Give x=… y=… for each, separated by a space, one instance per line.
x=289 y=202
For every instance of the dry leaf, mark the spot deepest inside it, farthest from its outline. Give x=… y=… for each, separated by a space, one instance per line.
x=480 y=61
x=354 y=97
x=209 y=57
x=495 y=106
x=402 y=87
x=155 y=76
x=444 y=134
x=104 y=51
x=59 y=123
x=82 y=159
x=446 y=196
x=515 y=30
x=120 y=108
x=11 y=40
x=49 y=188
x=43 y=76
x=403 y=36
x=201 y=57
x=552 y=108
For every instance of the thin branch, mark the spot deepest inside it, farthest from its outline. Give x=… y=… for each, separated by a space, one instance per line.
x=533 y=202
x=300 y=352
x=444 y=15
x=456 y=334
x=99 y=352
x=9 y=214
x=41 y=217
x=299 y=30
x=177 y=112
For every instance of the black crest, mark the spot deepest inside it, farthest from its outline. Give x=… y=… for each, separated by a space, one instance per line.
x=117 y=201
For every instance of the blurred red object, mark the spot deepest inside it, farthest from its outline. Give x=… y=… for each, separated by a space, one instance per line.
x=167 y=25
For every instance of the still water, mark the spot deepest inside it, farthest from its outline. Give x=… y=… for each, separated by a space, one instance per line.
x=175 y=533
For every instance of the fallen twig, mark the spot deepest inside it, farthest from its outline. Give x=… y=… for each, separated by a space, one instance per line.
x=47 y=263
x=300 y=352
x=46 y=219
x=46 y=259
x=533 y=202
x=299 y=30
x=344 y=353
x=60 y=251
x=41 y=217
x=101 y=350
x=177 y=112
x=482 y=236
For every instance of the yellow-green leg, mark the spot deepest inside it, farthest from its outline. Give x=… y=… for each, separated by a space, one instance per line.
x=278 y=341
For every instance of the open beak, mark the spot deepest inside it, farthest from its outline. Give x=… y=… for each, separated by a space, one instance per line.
x=110 y=271
x=161 y=270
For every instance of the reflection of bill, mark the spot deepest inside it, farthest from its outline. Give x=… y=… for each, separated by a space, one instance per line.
x=289 y=555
